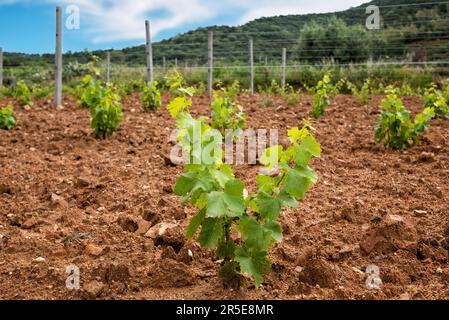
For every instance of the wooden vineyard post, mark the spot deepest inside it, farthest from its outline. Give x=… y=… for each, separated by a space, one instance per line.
x=251 y=66
x=58 y=58
x=1 y=67
x=176 y=63
x=149 y=53
x=284 y=67
x=210 y=59
x=164 y=63
x=108 y=67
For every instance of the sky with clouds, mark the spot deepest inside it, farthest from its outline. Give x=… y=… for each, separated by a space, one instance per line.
x=28 y=25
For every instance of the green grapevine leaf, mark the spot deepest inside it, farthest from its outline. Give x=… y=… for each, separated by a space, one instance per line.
x=195 y=223
x=229 y=202
x=254 y=263
x=211 y=233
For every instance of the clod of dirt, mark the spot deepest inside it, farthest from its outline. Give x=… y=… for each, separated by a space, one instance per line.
x=112 y=272
x=167 y=234
x=168 y=253
x=170 y=274
x=29 y=224
x=58 y=201
x=150 y=216
x=318 y=271
x=304 y=256
x=93 y=250
x=128 y=224
x=82 y=182
x=144 y=226
x=93 y=289
x=394 y=233
x=160 y=230
x=425 y=157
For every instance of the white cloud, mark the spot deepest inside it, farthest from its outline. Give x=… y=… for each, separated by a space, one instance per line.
x=265 y=8
x=108 y=21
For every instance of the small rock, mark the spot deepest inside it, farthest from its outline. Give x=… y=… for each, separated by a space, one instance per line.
x=159 y=230
x=58 y=201
x=90 y=211
x=299 y=269
x=404 y=297
x=420 y=213
x=144 y=226
x=93 y=250
x=29 y=224
x=93 y=289
x=39 y=260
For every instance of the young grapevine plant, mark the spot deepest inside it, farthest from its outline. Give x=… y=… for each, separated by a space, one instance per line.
x=227 y=113
x=363 y=94
x=105 y=108
x=22 y=94
x=322 y=94
x=241 y=228
x=151 y=97
x=395 y=127
x=435 y=99
x=7 y=118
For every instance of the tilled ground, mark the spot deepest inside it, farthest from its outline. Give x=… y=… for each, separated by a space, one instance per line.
x=69 y=199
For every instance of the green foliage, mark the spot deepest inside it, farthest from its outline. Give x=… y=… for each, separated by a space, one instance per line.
x=41 y=92
x=322 y=94
x=435 y=99
x=22 y=94
x=7 y=118
x=175 y=82
x=227 y=113
x=291 y=97
x=151 y=97
x=6 y=92
x=105 y=108
x=225 y=215
x=395 y=127
x=363 y=94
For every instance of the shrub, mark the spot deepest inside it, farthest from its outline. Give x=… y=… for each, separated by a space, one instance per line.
x=7 y=118
x=240 y=228
x=395 y=127
x=151 y=97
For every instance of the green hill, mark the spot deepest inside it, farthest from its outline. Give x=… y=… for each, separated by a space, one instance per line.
x=417 y=30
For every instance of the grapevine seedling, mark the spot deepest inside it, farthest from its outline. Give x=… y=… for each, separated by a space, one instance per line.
x=227 y=113
x=363 y=94
x=105 y=108
x=240 y=228
x=322 y=94
x=7 y=118
x=435 y=99
x=151 y=97
x=290 y=96
x=395 y=127
x=22 y=94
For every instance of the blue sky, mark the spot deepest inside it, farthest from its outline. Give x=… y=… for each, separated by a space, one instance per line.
x=28 y=25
